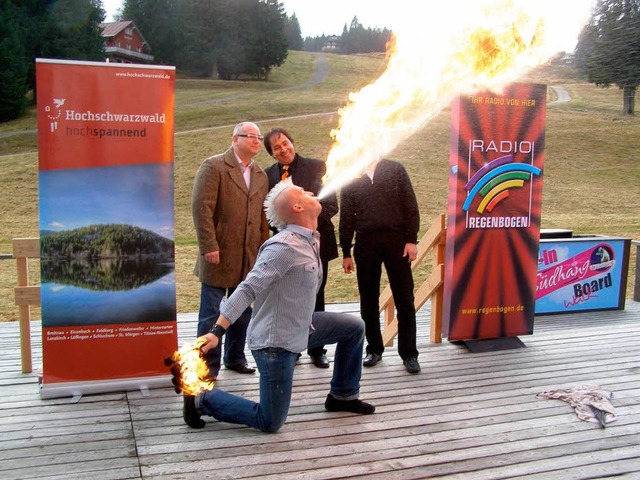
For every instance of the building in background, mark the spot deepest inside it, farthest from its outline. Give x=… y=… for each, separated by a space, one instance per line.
x=332 y=44
x=124 y=43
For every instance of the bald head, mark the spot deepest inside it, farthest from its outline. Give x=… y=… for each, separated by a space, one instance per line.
x=285 y=202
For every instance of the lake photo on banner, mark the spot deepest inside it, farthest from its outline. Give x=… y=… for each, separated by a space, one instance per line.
x=79 y=293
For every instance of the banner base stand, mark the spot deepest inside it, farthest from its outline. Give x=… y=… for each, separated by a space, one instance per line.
x=75 y=390
x=493 y=344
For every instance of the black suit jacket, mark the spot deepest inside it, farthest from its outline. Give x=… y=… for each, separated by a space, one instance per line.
x=307 y=173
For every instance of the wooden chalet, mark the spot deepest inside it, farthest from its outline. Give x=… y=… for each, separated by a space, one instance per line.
x=332 y=44
x=124 y=43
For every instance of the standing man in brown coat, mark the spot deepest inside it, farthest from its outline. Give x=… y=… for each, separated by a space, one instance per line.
x=227 y=207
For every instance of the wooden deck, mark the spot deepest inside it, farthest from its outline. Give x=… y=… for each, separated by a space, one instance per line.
x=466 y=416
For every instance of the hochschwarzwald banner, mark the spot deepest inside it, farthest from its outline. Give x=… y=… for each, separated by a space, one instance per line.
x=105 y=145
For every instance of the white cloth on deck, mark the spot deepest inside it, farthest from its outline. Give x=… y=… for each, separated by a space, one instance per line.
x=590 y=402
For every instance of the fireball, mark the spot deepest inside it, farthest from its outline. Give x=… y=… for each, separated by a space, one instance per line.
x=455 y=48
x=190 y=371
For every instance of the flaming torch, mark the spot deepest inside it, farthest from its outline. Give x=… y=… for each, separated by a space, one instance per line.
x=189 y=370
x=466 y=47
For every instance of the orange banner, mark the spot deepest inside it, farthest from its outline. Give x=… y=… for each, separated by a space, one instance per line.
x=493 y=226
x=103 y=113
x=105 y=146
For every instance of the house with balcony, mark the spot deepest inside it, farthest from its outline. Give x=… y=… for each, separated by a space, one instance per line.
x=124 y=43
x=332 y=44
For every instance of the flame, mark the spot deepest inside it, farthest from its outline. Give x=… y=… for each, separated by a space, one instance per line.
x=464 y=48
x=194 y=374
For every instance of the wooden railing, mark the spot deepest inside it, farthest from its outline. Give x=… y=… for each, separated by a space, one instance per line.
x=432 y=241
x=25 y=294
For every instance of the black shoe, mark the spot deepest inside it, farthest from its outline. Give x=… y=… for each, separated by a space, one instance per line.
x=190 y=414
x=320 y=361
x=371 y=359
x=355 y=406
x=241 y=368
x=412 y=365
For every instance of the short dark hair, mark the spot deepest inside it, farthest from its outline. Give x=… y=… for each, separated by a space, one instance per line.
x=272 y=133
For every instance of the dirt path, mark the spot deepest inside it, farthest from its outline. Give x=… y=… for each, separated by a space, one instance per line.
x=562 y=95
x=320 y=72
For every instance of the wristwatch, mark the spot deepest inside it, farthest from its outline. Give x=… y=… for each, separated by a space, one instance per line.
x=218 y=331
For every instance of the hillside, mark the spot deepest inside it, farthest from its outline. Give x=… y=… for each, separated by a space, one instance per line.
x=591 y=183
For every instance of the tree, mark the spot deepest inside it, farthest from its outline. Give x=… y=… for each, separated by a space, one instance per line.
x=608 y=49
x=64 y=29
x=314 y=44
x=13 y=75
x=198 y=24
x=206 y=38
x=233 y=37
x=358 y=39
x=76 y=24
x=354 y=39
x=251 y=38
x=160 y=23
x=270 y=47
x=293 y=33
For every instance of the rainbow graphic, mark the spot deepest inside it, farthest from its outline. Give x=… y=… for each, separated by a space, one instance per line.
x=493 y=181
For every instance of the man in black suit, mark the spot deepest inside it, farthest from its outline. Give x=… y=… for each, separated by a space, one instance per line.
x=306 y=173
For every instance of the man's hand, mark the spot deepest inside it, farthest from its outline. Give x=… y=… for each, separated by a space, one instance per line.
x=410 y=251
x=347 y=264
x=207 y=342
x=212 y=257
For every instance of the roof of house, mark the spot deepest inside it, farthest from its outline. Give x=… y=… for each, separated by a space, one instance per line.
x=111 y=29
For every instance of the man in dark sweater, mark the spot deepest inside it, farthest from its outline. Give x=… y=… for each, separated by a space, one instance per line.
x=306 y=173
x=381 y=209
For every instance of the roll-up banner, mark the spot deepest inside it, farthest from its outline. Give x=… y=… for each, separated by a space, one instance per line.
x=494 y=206
x=105 y=149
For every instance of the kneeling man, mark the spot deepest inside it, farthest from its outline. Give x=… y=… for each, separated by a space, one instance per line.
x=282 y=287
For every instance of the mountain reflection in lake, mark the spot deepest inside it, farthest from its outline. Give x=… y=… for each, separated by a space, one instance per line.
x=105 y=273
x=107 y=291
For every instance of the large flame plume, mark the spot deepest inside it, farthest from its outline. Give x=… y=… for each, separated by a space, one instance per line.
x=452 y=49
x=189 y=370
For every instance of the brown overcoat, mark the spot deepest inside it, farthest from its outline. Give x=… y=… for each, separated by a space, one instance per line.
x=228 y=217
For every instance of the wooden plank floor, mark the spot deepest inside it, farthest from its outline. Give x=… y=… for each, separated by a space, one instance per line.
x=466 y=416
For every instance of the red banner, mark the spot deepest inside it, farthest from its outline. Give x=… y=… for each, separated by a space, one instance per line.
x=493 y=226
x=103 y=114
x=105 y=145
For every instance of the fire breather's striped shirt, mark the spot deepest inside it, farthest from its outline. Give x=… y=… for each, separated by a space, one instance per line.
x=282 y=287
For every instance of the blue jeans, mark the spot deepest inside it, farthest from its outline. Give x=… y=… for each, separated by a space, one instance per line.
x=276 y=367
x=210 y=298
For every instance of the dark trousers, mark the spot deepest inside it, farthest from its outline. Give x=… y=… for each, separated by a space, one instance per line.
x=370 y=252
x=234 y=340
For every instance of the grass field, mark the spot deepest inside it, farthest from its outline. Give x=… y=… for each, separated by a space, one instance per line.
x=591 y=179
